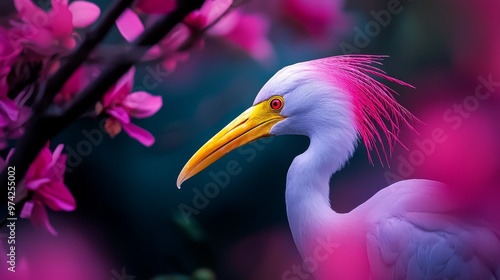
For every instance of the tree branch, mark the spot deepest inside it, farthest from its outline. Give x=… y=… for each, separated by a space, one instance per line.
x=42 y=126
x=92 y=39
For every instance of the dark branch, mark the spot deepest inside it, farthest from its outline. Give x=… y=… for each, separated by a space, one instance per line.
x=42 y=126
x=92 y=39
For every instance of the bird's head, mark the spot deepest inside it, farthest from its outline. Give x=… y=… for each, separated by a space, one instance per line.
x=331 y=94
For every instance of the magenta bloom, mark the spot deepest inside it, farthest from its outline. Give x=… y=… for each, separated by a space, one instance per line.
x=45 y=179
x=8 y=55
x=122 y=105
x=314 y=17
x=247 y=31
x=53 y=31
x=76 y=83
x=9 y=120
x=9 y=111
x=130 y=26
x=208 y=14
x=156 y=6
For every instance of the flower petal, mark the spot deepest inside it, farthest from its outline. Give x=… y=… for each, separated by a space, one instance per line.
x=39 y=217
x=27 y=209
x=10 y=108
x=139 y=134
x=225 y=25
x=212 y=10
x=28 y=10
x=130 y=25
x=56 y=154
x=156 y=6
x=251 y=35
x=57 y=197
x=60 y=2
x=120 y=114
x=121 y=89
x=36 y=184
x=42 y=39
x=143 y=104
x=61 y=25
x=57 y=169
x=84 y=13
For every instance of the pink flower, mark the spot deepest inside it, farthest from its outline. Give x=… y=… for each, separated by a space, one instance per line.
x=9 y=119
x=248 y=32
x=45 y=179
x=8 y=55
x=50 y=32
x=211 y=11
x=77 y=82
x=130 y=26
x=9 y=110
x=156 y=6
x=12 y=118
x=315 y=17
x=169 y=48
x=244 y=30
x=121 y=105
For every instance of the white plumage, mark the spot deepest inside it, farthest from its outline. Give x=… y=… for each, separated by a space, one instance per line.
x=413 y=229
x=406 y=231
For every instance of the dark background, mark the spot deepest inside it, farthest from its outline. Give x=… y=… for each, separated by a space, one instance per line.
x=127 y=214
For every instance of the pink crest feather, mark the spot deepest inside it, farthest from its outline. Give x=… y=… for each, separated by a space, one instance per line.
x=379 y=116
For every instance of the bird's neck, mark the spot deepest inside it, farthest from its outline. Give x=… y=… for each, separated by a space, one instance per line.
x=308 y=189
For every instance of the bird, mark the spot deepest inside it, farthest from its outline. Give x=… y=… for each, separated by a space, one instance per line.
x=413 y=229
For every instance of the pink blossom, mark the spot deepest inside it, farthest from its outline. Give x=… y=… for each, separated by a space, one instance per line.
x=315 y=17
x=247 y=31
x=244 y=30
x=9 y=111
x=77 y=82
x=9 y=52
x=130 y=26
x=121 y=105
x=210 y=12
x=50 y=32
x=9 y=114
x=12 y=119
x=170 y=47
x=156 y=6
x=45 y=179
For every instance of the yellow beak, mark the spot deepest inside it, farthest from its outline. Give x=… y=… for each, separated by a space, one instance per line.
x=254 y=123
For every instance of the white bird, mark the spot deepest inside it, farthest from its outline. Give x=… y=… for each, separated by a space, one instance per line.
x=413 y=229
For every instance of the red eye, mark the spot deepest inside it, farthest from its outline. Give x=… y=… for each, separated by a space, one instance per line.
x=276 y=104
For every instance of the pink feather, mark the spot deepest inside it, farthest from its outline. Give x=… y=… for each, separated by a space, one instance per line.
x=379 y=116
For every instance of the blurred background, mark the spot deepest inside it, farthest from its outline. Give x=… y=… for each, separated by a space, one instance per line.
x=131 y=220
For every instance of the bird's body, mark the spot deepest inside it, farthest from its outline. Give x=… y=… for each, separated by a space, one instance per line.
x=413 y=229
x=405 y=231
